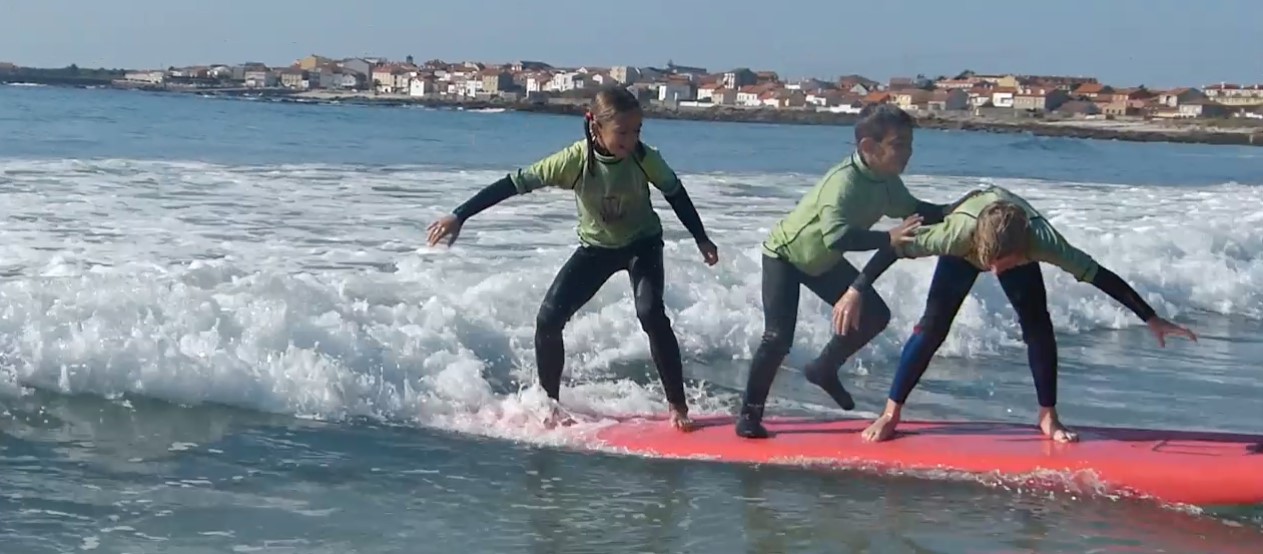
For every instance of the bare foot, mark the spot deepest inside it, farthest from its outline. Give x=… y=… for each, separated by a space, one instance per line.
x=1051 y=425
x=680 y=420
x=882 y=429
x=558 y=416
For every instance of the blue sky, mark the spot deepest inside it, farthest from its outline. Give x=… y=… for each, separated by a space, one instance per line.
x=1127 y=42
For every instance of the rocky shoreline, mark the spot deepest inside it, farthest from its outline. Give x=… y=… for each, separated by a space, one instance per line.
x=1140 y=132
x=1201 y=132
x=1207 y=131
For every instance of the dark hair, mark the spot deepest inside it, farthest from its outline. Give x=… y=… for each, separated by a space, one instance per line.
x=610 y=101
x=879 y=120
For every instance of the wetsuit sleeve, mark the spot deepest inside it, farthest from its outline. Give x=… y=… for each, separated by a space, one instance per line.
x=487 y=197
x=835 y=214
x=931 y=213
x=880 y=261
x=948 y=238
x=561 y=169
x=1118 y=289
x=1050 y=247
x=664 y=178
x=903 y=204
x=683 y=207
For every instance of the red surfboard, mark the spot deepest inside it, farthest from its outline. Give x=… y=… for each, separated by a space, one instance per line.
x=1173 y=466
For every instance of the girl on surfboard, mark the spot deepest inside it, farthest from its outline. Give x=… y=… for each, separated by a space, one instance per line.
x=992 y=230
x=609 y=171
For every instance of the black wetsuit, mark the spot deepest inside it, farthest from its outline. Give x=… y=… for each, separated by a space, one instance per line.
x=781 y=289
x=1023 y=285
x=583 y=274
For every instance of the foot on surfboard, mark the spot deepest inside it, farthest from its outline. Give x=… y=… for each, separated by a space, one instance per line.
x=680 y=420
x=1051 y=425
x=749 y=423
x=750 y=429
x=882 y=429
x=559 y=417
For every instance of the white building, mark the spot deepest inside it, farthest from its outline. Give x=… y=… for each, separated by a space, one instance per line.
x=563 y=82
x=156 y=77
x=422 y=86
x=674 y=91
x=260 y=78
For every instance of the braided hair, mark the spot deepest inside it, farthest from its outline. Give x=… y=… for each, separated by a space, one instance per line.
x=609 y=103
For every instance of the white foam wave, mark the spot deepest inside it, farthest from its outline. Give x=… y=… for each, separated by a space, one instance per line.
x=305 y=289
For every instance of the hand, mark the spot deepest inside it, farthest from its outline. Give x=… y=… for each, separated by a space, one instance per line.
x=846 y=312
x=448 y=225
x=1161 y=328
x=902 y=234
x=710 y=252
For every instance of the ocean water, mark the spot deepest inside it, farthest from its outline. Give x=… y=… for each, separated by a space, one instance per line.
x=221 y=331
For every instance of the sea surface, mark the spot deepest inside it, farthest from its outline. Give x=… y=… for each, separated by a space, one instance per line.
x=221 y=331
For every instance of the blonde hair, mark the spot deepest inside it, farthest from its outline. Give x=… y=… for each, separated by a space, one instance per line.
x=1003 y=229
x=609 y=103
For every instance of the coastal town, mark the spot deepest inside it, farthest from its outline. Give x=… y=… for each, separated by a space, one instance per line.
x=965 y=99
x=698 y=87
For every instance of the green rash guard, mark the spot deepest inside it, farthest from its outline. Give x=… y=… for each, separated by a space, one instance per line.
x=849 y=198
x=953 y=236
x=613 y=199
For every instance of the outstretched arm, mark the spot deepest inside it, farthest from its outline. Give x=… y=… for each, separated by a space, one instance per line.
x=839 y=232
x=559 y=169
x=932 y=213
x=944 y=238
x=1118 y=289
x=665 y=179
x=935 y=240
x=449 y=226
x=854 y=239
x=847 y=310
x=684 y=209
x=487 y=197
x=880 y=261
x=1051 y=247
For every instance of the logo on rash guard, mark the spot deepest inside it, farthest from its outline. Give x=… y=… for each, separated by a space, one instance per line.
x=611 y=209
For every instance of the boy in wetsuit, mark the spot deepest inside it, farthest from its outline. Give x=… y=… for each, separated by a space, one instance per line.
x=992 y=230
x=610 y=172
x=807 y=246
